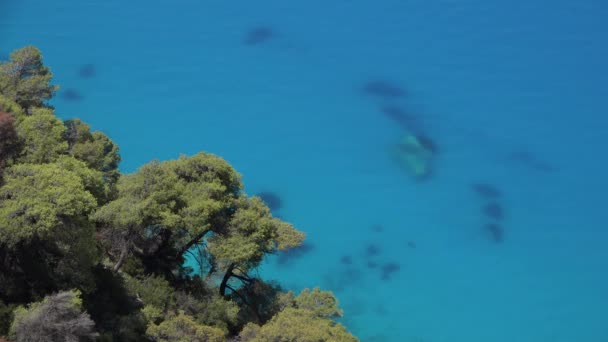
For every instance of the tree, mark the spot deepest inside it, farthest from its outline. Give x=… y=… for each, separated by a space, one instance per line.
x=41 y=201
x=9 y=140
x=46 y=239
x=321 y=303
x=42 y=134
x=25 y=80
x=64 y=205
x=249 y=235
x=9 y=106
x=94 y=148
x=58 y=318
x=6 y=317
x=165 y=208
x=293 y=324
x=183 y=328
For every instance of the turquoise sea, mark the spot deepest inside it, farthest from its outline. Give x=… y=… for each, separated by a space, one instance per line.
x=307 y=98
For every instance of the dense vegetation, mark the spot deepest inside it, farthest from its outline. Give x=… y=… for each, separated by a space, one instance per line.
x=87 y=253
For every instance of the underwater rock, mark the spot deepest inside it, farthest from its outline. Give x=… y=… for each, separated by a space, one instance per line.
x=378 y=228
x=411 y=244
x=372 y=250
x=383 y=89
x=486 y=191
x=428 y=143
x=493 y=210
x=526 y=158
x=346 y=260
x=271 y=199
x=87 y=71
x=372 y=264
x=381 y=310
x=338 y=281
x=405 y=120
x=415 y=156
x=71 y=95
x=289 y=255
x=495 y=231
x=258 y=35
x=388 y=269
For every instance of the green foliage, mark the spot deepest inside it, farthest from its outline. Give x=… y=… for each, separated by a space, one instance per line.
x=183 y=328
x=57 y=318
x=251 y=233
x=114 y=309
x=212 y=310
x=6 y=317
x=64 y=204
x=153 y=291
x=250 y=332
x=40 y=200
x=9 y=141
x=261 y=300
x=320 y=303
x=165 y=208
x=146 y=198
x=42 y=135
x=299 y=325
x=9 y=106
x=25 y=80
x=92 y=180
x=93 y=148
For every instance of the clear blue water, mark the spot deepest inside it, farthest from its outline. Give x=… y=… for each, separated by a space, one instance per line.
x=489 y=80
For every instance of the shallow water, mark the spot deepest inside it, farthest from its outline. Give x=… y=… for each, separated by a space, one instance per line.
x=512 y=93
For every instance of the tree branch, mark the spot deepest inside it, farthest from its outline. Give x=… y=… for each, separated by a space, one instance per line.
x=191 y=243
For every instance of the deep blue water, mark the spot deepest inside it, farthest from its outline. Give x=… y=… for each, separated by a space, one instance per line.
x=513 y=93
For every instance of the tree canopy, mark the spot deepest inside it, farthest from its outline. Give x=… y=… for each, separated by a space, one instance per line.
x=88 y=253
x=25 y=80
x=57 y=318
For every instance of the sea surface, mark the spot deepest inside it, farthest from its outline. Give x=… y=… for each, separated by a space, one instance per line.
x=505 y=241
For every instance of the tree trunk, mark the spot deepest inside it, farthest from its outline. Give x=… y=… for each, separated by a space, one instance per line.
x=227 y=276
x=123 y=256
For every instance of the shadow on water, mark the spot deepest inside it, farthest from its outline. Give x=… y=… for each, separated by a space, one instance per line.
x=271 y=199
x=291 y=255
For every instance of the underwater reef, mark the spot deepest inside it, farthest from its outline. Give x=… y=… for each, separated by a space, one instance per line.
x=415 y=156
x=259 y=35
x=71 y=95
x=492 y=210
x=87 y=71
x=383 y=89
